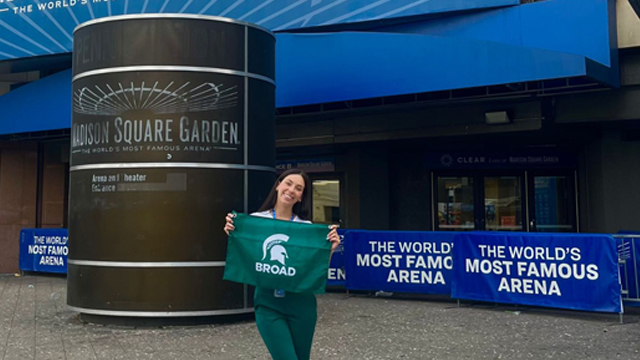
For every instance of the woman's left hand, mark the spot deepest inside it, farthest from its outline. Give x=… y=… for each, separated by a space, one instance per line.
x=333 y=237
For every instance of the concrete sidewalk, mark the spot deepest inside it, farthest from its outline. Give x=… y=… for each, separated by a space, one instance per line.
x=35 y=324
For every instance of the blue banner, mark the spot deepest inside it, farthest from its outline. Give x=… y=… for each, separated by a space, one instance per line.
x=401 y=261
x=571 y=271
x=44 y=250
x=337 y=275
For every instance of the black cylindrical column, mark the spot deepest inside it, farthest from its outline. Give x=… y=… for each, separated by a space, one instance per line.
x=173 y=126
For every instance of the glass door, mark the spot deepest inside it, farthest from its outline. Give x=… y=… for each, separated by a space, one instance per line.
x=552 y=202
x=503 y=203
x=455 y=203
x=480 y=201
x=325 y=201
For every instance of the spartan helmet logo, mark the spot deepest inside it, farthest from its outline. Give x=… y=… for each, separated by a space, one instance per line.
x=272 y=244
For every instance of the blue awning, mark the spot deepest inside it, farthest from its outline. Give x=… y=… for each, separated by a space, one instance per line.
x=506 y=45
x=531 y=42
x=321 y=68
x=38 y=106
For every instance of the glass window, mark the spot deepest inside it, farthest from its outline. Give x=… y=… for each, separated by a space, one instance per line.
x=503 y=203
x=554 y=205
x=455 y=203
x=326 y=201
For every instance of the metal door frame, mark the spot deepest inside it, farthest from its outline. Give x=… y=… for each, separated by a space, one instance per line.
x=478 y=176
x=552 y=172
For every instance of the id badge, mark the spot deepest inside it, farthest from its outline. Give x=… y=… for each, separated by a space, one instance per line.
x=279 y=293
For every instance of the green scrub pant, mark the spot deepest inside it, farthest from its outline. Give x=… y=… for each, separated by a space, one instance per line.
x=286 y=324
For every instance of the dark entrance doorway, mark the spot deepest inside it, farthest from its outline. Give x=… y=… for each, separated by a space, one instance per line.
x=505 y=200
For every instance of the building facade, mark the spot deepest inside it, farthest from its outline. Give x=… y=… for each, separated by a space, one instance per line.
x=444 y=115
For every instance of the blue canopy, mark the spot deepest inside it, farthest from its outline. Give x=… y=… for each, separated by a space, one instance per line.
x=498 y=43
x=320 y=68
x=38 y=106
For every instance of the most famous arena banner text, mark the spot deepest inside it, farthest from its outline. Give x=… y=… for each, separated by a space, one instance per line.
x=403 y=261
x=571 y=271
x=44 y=250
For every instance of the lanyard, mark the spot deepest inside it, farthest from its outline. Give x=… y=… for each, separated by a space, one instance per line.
x=274 y=214
x=279 y=293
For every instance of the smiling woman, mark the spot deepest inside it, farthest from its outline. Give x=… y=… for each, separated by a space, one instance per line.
x=286 y=320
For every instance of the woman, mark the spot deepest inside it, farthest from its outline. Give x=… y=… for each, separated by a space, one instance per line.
x=287 y=320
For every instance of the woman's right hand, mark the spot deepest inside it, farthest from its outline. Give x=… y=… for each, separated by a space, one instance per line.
x=228 y=226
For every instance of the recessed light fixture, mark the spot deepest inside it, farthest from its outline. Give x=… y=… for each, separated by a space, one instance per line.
x=496 y=117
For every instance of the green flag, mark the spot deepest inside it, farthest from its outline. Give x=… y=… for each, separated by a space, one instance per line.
x=278 y=254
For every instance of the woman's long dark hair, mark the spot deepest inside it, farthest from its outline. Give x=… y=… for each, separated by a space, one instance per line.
x=302 y=208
